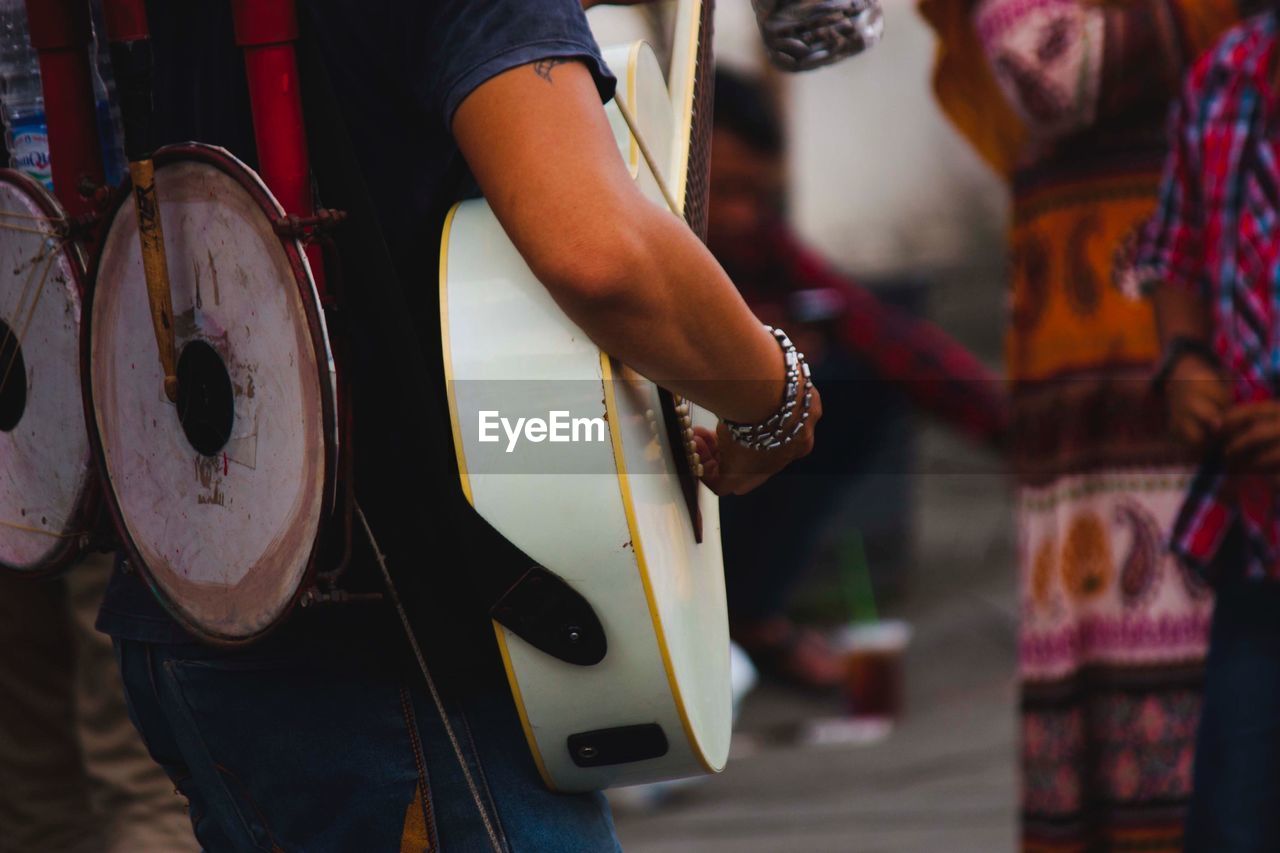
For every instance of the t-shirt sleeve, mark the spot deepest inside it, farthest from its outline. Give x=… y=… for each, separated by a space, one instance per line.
x=1170 y=249
x=465 y=43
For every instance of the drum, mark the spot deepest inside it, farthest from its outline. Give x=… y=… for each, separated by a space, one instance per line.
x=220 y=497
x=48 y=483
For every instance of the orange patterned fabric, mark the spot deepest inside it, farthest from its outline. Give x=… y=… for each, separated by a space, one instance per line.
x=1066 y=315
x=1112 y=632
x=973 y=102
x=967 y=91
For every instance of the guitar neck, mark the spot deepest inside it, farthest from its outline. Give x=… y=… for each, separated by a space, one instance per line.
x=691 y=84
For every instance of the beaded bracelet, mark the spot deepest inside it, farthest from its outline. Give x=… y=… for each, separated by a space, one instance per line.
x=776 y=430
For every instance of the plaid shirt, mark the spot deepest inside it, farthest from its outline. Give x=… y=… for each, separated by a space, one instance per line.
x=936 y=373
x=1215 y=232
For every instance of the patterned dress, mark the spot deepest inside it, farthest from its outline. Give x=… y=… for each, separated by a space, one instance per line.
x=1067 y=98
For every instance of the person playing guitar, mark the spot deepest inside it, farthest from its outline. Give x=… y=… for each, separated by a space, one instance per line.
x=322 y=737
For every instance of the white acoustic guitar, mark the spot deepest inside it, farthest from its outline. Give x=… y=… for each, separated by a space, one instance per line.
x=621 y=675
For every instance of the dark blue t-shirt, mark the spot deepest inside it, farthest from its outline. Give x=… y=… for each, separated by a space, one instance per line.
x=398 y=69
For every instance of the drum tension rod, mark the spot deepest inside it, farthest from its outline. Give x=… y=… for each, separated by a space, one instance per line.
x=307 y=228
x=98 y=195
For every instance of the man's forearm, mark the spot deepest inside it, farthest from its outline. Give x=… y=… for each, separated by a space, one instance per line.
x=1180 y=313
x=675 y=316
x=626 y=270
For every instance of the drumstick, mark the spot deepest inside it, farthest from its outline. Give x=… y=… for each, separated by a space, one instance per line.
x=131 y=59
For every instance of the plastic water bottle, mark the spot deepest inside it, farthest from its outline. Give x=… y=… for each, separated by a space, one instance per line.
x=21 y=99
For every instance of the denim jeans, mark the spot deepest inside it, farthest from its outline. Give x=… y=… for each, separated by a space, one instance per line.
x=333 y=752
x=1235 y=807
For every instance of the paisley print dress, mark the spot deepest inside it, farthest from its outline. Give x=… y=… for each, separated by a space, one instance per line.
x=1067 y=99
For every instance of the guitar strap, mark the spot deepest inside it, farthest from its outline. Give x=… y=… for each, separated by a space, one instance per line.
x=362 y=246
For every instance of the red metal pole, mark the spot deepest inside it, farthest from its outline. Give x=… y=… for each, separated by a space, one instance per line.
x=267 y=30
x=61 y=34
x=126 y=20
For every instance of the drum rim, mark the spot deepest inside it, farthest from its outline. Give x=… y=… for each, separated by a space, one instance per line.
x=86 y=512
x=251 y=182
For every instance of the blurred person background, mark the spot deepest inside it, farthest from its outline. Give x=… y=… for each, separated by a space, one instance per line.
x=75 y=777
x=1209 y=258
x=867 y=354
x=1067 y=99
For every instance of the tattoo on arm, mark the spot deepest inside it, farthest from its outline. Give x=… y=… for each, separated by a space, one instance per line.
x=543 y=67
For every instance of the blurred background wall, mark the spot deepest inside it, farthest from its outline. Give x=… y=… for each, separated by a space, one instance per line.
x=879 y=180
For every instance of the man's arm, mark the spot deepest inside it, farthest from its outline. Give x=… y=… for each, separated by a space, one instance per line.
x=1200 y=400
x=1196 y=392
x=1171 y=252
x=630 y=273
x=1180 y=313
x=939 y=375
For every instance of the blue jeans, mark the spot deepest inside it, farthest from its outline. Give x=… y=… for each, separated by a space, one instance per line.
x=1235 y=807
x=334 y=752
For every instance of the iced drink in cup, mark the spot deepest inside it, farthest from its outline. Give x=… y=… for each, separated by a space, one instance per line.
x=874 y=655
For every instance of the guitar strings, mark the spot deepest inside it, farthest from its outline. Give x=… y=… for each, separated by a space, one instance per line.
x=658 y=176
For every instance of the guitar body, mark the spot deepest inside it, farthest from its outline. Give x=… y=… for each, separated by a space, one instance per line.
x=607 y=516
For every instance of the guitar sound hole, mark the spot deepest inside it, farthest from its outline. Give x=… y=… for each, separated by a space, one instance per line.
x=13 y=379
x=206 y=403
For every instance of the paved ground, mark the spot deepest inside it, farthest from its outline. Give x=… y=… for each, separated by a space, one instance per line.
x=943 y=782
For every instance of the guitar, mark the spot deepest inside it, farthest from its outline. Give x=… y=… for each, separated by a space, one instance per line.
x=617 y=647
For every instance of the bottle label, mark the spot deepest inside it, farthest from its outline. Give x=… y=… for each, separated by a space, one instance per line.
x=30 y=152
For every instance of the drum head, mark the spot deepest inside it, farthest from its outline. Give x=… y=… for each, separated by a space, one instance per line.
x=219 y=497
x=48 y=487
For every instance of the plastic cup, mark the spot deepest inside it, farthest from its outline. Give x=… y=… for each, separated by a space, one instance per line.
x=874 y=654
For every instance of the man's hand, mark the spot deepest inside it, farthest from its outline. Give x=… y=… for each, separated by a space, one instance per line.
x=728 y=468
x=1198 y=397
x=1251 y=432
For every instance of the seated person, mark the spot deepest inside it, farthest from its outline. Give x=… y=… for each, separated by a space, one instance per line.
x=862 y=352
